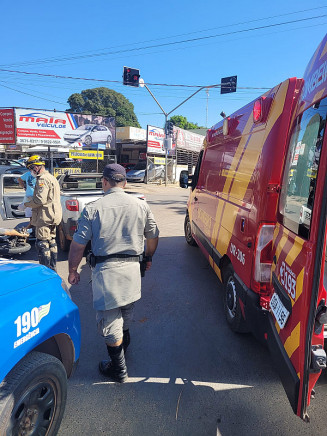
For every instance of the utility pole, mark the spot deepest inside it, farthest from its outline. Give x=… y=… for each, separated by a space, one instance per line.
x=207 y=91
x=131 y=77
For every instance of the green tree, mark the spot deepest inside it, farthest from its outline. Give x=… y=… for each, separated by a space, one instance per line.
x=180 y=121
x=104 y=101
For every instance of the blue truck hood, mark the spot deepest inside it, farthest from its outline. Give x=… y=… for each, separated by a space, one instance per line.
x=20 y=270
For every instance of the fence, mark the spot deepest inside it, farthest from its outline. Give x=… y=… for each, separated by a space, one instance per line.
x=156 y=170
x=60 y=166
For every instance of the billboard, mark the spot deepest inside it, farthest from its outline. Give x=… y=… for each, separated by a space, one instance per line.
x=7 y=126
x=182 y=139
x=186 y=140
x=155 y=137
x=63 y=129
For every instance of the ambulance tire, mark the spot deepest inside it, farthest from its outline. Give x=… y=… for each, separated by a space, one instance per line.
x=33 y=396
x=232 y=307
x=188 y=232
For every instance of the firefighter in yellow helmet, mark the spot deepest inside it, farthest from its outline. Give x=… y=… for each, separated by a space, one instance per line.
x=46 y=211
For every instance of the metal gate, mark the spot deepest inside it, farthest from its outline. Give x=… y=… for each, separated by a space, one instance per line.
x=156 y=170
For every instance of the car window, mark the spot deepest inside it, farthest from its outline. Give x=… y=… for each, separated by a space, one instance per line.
x=11 y=186
x=140 y=166
x=81 y=183
x=299 y=184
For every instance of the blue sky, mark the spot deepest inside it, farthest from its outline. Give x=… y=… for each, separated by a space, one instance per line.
x=95 y=40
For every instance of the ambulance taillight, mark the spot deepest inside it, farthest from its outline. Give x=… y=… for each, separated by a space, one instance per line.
x=263 y=253
x=258 y=110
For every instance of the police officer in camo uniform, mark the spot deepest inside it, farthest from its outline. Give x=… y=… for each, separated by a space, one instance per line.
x=46 y=211
x=116 y=225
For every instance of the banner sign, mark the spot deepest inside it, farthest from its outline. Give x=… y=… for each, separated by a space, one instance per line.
x=159 y=160
x=155 y=137
x=53 y=128
x=61 y=171
x=86 y=154
x=186 y=140
x=182 y=139
x=7 y=126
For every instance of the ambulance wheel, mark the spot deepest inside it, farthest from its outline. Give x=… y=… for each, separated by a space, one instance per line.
x=188 y=232
x=232 y=307
x=64 y=243
x=33 y=396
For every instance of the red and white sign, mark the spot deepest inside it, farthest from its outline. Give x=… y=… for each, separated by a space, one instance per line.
x=7 y=126
x=182 y=139
x=188 y=140
x=37 y=126
x=155 y=140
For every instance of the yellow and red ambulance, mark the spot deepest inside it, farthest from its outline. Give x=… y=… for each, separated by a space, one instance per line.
x=257 y=210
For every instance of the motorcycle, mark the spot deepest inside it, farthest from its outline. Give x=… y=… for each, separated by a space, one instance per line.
x=12 y=245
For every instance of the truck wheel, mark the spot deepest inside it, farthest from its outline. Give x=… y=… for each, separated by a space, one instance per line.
x=232 y=308
x=64 y=243
x=33 y=396
x=188 y=232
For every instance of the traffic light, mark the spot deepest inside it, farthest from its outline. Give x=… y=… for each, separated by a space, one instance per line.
x=169 y=128
x=131 y=76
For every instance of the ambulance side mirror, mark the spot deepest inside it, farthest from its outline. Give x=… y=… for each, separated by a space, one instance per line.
x=185 y=180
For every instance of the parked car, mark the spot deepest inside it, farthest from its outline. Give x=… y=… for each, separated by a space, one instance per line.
x=11 y=166
x=140 y=173
x=128 y=166
x=89 y=134
x=40 y=348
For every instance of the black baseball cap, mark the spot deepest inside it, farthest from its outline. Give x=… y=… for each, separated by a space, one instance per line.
x=115 y=172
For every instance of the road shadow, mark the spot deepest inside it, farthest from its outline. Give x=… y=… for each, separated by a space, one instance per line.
x=188 y=373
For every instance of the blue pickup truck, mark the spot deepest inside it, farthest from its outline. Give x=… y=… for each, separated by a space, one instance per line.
x=39 y=348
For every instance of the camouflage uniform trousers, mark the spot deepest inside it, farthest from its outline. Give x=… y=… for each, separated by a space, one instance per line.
x=46 y=246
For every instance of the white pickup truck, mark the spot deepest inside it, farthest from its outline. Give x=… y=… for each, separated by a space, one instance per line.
x=76 y=190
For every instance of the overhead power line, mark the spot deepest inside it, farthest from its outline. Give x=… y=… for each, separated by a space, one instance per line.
x=31 y=95
x=115 y=81
x=81 y=55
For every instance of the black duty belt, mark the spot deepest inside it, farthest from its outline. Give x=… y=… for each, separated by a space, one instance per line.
x=121 y=257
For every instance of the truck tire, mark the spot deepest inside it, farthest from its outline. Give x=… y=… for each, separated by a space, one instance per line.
x=188 y=232
x=33 y=396
x=63 y=242
x=7 y=250
x=232 y=307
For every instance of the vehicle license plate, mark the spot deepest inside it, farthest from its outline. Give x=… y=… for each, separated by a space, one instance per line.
x=279 y=310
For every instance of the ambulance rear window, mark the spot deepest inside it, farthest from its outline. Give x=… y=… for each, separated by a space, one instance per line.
x=302 y=165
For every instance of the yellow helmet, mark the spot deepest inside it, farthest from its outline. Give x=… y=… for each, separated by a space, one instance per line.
x=35 y=160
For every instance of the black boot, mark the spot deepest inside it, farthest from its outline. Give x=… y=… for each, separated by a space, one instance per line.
x=53 y=254
x=116 y=367
x=126 y=340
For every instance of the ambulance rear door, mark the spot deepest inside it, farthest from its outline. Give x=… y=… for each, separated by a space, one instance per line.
x=298 y=303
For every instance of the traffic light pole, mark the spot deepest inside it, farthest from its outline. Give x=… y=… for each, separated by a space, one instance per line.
x=167 y=114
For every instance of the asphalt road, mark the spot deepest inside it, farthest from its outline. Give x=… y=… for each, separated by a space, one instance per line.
x=188 y=373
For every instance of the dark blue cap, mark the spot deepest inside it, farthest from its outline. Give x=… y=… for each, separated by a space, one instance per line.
x=115 y=172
